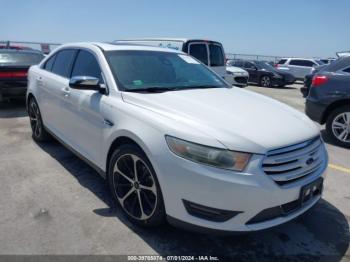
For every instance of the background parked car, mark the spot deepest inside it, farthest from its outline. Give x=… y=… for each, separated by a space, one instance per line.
x=14 y=65
x=299 y=67
x=328 y=60
x=328 y=101
x=263 y=74
x=236 y=76
x=308 y=79
x=210 y=53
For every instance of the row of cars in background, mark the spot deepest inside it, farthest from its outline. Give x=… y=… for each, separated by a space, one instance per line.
x=258 y=72
x=267 y=74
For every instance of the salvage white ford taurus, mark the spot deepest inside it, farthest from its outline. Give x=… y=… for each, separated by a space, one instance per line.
x=174 y=140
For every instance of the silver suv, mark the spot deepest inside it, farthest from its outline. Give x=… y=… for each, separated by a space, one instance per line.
x=299 y=67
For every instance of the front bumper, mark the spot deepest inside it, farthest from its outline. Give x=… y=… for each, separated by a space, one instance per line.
x=247 y=193
x=240 y=80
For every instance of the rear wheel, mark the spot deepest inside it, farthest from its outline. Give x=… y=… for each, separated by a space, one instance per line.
x=338 y=126
x=39 y=133
x=265 y=81
x=135 y=187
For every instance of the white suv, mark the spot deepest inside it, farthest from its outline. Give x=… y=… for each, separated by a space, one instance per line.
x=299 y=67
x=174 y=140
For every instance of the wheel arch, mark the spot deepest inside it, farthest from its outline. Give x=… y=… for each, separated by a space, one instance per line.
x=123 y=139
x=333 y=106
x=29 y=96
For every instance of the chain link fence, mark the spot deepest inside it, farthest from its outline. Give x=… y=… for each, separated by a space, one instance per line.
x=267 y=58
x=44 y=47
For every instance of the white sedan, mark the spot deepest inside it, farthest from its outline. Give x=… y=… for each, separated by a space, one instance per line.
x=174 y=141
x=236 y=76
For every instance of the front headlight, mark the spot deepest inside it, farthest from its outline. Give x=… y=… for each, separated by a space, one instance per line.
x=216 y=157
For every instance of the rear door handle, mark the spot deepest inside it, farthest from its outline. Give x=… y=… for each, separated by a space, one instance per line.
x=39 y=80
x=66 y=91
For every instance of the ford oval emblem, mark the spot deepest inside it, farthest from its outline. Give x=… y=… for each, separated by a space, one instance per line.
x=310 y=161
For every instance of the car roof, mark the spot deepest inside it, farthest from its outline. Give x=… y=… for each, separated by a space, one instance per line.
x=299 y=58
x=156 y=39
x=169 y=39
x=116 y=46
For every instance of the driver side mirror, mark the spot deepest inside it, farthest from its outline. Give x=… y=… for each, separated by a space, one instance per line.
x=86 y=83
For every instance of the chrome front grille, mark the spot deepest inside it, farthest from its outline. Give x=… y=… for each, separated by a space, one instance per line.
x=289 y=164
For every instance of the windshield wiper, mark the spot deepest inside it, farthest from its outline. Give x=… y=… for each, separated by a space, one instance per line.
x=151 y=89
x=165 y=89
x=199 y=87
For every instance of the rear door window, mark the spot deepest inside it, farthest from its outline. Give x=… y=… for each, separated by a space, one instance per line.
x=63 y=62
x=86 y=65
x=49 y=63
x=249 y=65
x=238 y=63
x=200 y=52
x=216 y=55
x=306 y=63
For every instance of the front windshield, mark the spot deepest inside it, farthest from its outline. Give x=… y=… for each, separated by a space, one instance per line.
x=141 y=70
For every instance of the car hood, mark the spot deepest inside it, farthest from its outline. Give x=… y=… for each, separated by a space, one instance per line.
x=239 y=119
x=234 y=69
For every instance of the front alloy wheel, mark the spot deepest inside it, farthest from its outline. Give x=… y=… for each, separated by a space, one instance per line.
x=135 y=186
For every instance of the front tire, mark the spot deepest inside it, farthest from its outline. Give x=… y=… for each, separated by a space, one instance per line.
x=134 y=186
x=265 y=81
x=338 y=126
x=39 y=133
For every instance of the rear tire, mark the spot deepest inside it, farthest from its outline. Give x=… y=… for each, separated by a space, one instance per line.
x=338 y=126
x=39 y=133
x=265 y=81
x=134 y=186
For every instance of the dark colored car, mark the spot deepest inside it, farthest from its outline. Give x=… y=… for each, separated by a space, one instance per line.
x=14 y=65
x=328 y=101
x=308 y=80
x=264 y=74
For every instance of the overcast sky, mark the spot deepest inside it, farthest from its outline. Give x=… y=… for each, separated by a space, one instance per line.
x=271 y=27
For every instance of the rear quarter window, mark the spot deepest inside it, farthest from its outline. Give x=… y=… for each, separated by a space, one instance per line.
x=282 y=61
x=347 y=70
x=49 y=63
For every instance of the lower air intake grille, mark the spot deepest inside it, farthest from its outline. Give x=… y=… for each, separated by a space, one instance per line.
x=292 y=163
